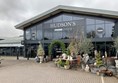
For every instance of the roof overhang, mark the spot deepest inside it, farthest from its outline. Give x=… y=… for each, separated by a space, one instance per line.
x=58 y=9
x=11 y=45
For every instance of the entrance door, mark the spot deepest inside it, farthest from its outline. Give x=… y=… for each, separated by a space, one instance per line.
x=56 y=51
x=105 y=46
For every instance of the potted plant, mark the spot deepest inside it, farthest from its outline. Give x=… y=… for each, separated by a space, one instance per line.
x=116 y=46
x=40 y=52
x=98 y=60
x=67 y=64
x=59 y=62
x=85 y=46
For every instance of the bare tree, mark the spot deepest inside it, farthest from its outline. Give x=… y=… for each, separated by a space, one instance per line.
x=79 y=42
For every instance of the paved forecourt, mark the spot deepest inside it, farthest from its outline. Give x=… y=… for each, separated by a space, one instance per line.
x=27 y=71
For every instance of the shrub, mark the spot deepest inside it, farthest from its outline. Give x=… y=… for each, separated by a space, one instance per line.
x=40 y=50
x=98 y=60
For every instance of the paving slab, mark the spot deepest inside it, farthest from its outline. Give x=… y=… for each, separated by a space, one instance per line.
x=28 y=71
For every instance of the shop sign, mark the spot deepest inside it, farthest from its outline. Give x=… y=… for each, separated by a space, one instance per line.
x=64 y=24
x=100 y=30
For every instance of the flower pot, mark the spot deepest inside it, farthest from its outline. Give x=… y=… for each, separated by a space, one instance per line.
x=67 y=66
x=41 y=59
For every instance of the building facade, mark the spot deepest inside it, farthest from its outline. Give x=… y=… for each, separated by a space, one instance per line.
x=65 y=22
x=11 y=46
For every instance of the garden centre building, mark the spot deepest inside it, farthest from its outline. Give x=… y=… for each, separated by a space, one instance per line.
x=62 y=22
x=11 y=46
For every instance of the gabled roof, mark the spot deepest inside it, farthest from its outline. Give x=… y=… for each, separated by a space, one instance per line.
x=60 y=8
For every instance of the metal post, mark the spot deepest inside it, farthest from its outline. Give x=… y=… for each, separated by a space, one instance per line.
x=18 y=53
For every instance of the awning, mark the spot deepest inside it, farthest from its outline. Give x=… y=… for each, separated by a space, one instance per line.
x=11 y=45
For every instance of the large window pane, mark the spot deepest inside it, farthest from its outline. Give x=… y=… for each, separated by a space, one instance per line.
x=99 y=21
x=100 y=31
x=57 y=34
x=77 y=18
x=108 y=28
x=48 y=34
x=67 y=18
x=91 y=31
x=48 y=21
x=67 y=32
x=33 y=33
x=57 y=18
x=28 y=34
x=90 y=21
x=39 y=32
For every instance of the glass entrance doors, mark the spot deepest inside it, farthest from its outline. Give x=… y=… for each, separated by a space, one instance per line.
x=105 y=46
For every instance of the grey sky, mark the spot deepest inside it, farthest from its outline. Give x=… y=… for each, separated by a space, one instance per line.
x=13 y=12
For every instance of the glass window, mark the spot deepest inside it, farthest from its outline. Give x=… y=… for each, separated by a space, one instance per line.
x=90 y=21
x=99 y=21
x=57 y=34
x=28 y=34
x=67 y=18
x=57 y=18
x=91 y=31
x=108 y=22
x=100 y=31
x=39 y=32
x=108 y=28
x=77 y=18
x=48 y=21
x=48 y=34
x=33 y=33
x=67 y=32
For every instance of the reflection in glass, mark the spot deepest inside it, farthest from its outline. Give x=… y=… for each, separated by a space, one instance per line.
x=48 y=21
x=28 y=34
x=99 y=21
x=91 y=31
x=67 y=18
x=100 y=32
x=90 y=21
x=57 y=34
x=48 y=34
x=57 y=18
x=67 y=32
x=77 y=18
x=39 y=32
x=33 y=33
x=108 y=28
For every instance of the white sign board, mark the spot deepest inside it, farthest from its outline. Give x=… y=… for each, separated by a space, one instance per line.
x=116 y=63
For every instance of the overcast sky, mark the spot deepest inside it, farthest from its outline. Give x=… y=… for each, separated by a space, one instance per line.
x=13 y=12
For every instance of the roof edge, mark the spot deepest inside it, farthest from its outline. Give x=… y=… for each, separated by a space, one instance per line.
x=57 y=9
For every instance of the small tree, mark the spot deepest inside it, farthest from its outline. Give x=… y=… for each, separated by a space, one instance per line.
x=73 y=47
x=40 y=51
x=68 y=51
x=98 y=60
x=85 y=46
